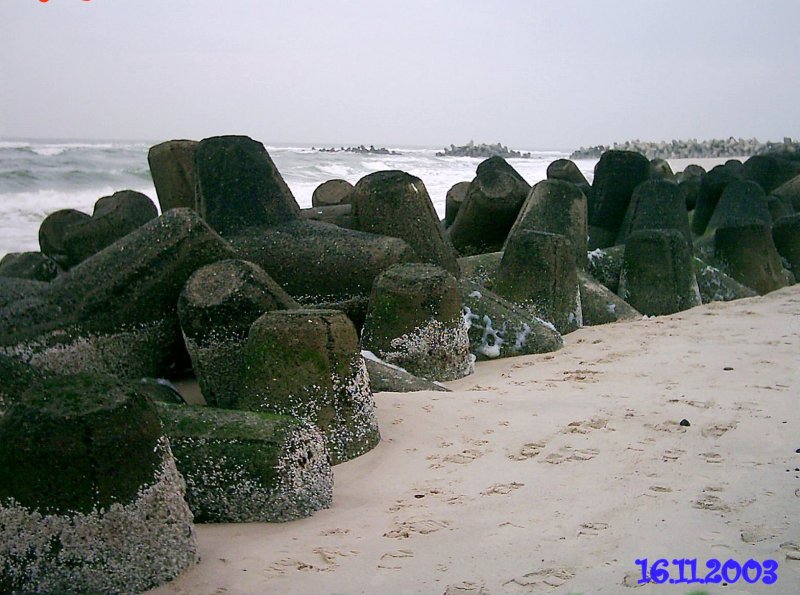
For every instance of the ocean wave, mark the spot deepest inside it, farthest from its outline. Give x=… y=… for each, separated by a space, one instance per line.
x=21 y=213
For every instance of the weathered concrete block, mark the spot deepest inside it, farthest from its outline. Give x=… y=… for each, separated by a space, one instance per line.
x=307 y=363
x=90 y=499
x=490 y=208
x=320 y=263
x=779 y=206
x=414 y=321
x=742 y=202
x=497 y=328
x=385 y=377
x=173 y=171
x=339 y=215
x=605 y=265
x=33 y=266
x=600 y=305
x=480 y=268
x=116 y=312
x=711 y=188
x=396 y=204
x=538 y=274
x=564 y=169
x=453 y=200
x=245 y=467
x=113 y=218
x=616 y=175
x=557 y=207
x=786 y=236
x=747 y=253
x=15 y=378
x=13 y=289
x=332 y=192
x=52 y=231
x=790 y=190
x=660 y=169
x=656 y=204
x=689 y=181
x=657 y=276
x=716 y=286
x=238 y=186
x=769 y=171
x=216 y=307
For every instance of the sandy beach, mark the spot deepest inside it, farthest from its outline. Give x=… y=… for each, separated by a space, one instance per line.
x=553 y=473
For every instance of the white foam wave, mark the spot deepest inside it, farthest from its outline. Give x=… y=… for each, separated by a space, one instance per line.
x=21 y=213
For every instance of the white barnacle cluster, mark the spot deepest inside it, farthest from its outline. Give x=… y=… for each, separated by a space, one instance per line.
x=247 y=485
x=122 y=549
x=132 y=351
x=356 y=430
x=304 y=477
x=434 y=350
x=216 y=364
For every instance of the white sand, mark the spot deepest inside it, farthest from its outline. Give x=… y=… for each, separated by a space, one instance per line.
x=553 y=473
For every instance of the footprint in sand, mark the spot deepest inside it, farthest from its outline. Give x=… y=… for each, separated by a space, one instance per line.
x=527 y=451
x=569 y=454
x=756 y=534
x=502 y=488
x=791 y=549
x=717 y=430
x=710 y=502
x=413 y=527
x=711 y=457
x=586 y=426
x=336 y=531
x=464 y=457
x=324 y=560
x=670 y=456
x=391 y=560
x=660 y=489
x=592 y=528
x=581 y=375
x=466 y=588
x=535 y=582
x=667 y=426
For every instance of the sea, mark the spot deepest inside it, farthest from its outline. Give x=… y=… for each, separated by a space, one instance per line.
x=38 y=177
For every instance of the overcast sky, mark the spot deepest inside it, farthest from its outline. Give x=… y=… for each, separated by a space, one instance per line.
x=528 y=73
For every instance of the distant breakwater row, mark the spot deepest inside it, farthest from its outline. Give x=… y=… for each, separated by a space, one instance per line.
x=482 y=150
x=687 y=149
x=361 y=149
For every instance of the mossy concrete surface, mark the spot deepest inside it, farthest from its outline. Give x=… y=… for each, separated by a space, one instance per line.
x=538 y=273
x=414 y=321
x=243 y=466
x=657 y=276
x=307 y=363
x=748 y=254
x=600 y=305
x=317 y=262
x=716 y=286
x=491 y=205
x=238 y=185
x=77 y=443
x=216 y=308
x=397 y=204
x=497 y=328
x=90 y=499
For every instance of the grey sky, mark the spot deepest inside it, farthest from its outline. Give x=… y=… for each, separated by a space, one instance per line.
x=531 y=74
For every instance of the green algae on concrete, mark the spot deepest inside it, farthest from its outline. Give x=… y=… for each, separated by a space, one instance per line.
x=415 y=322
x=242 y=466
x=90 y=499
x=307 y=363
